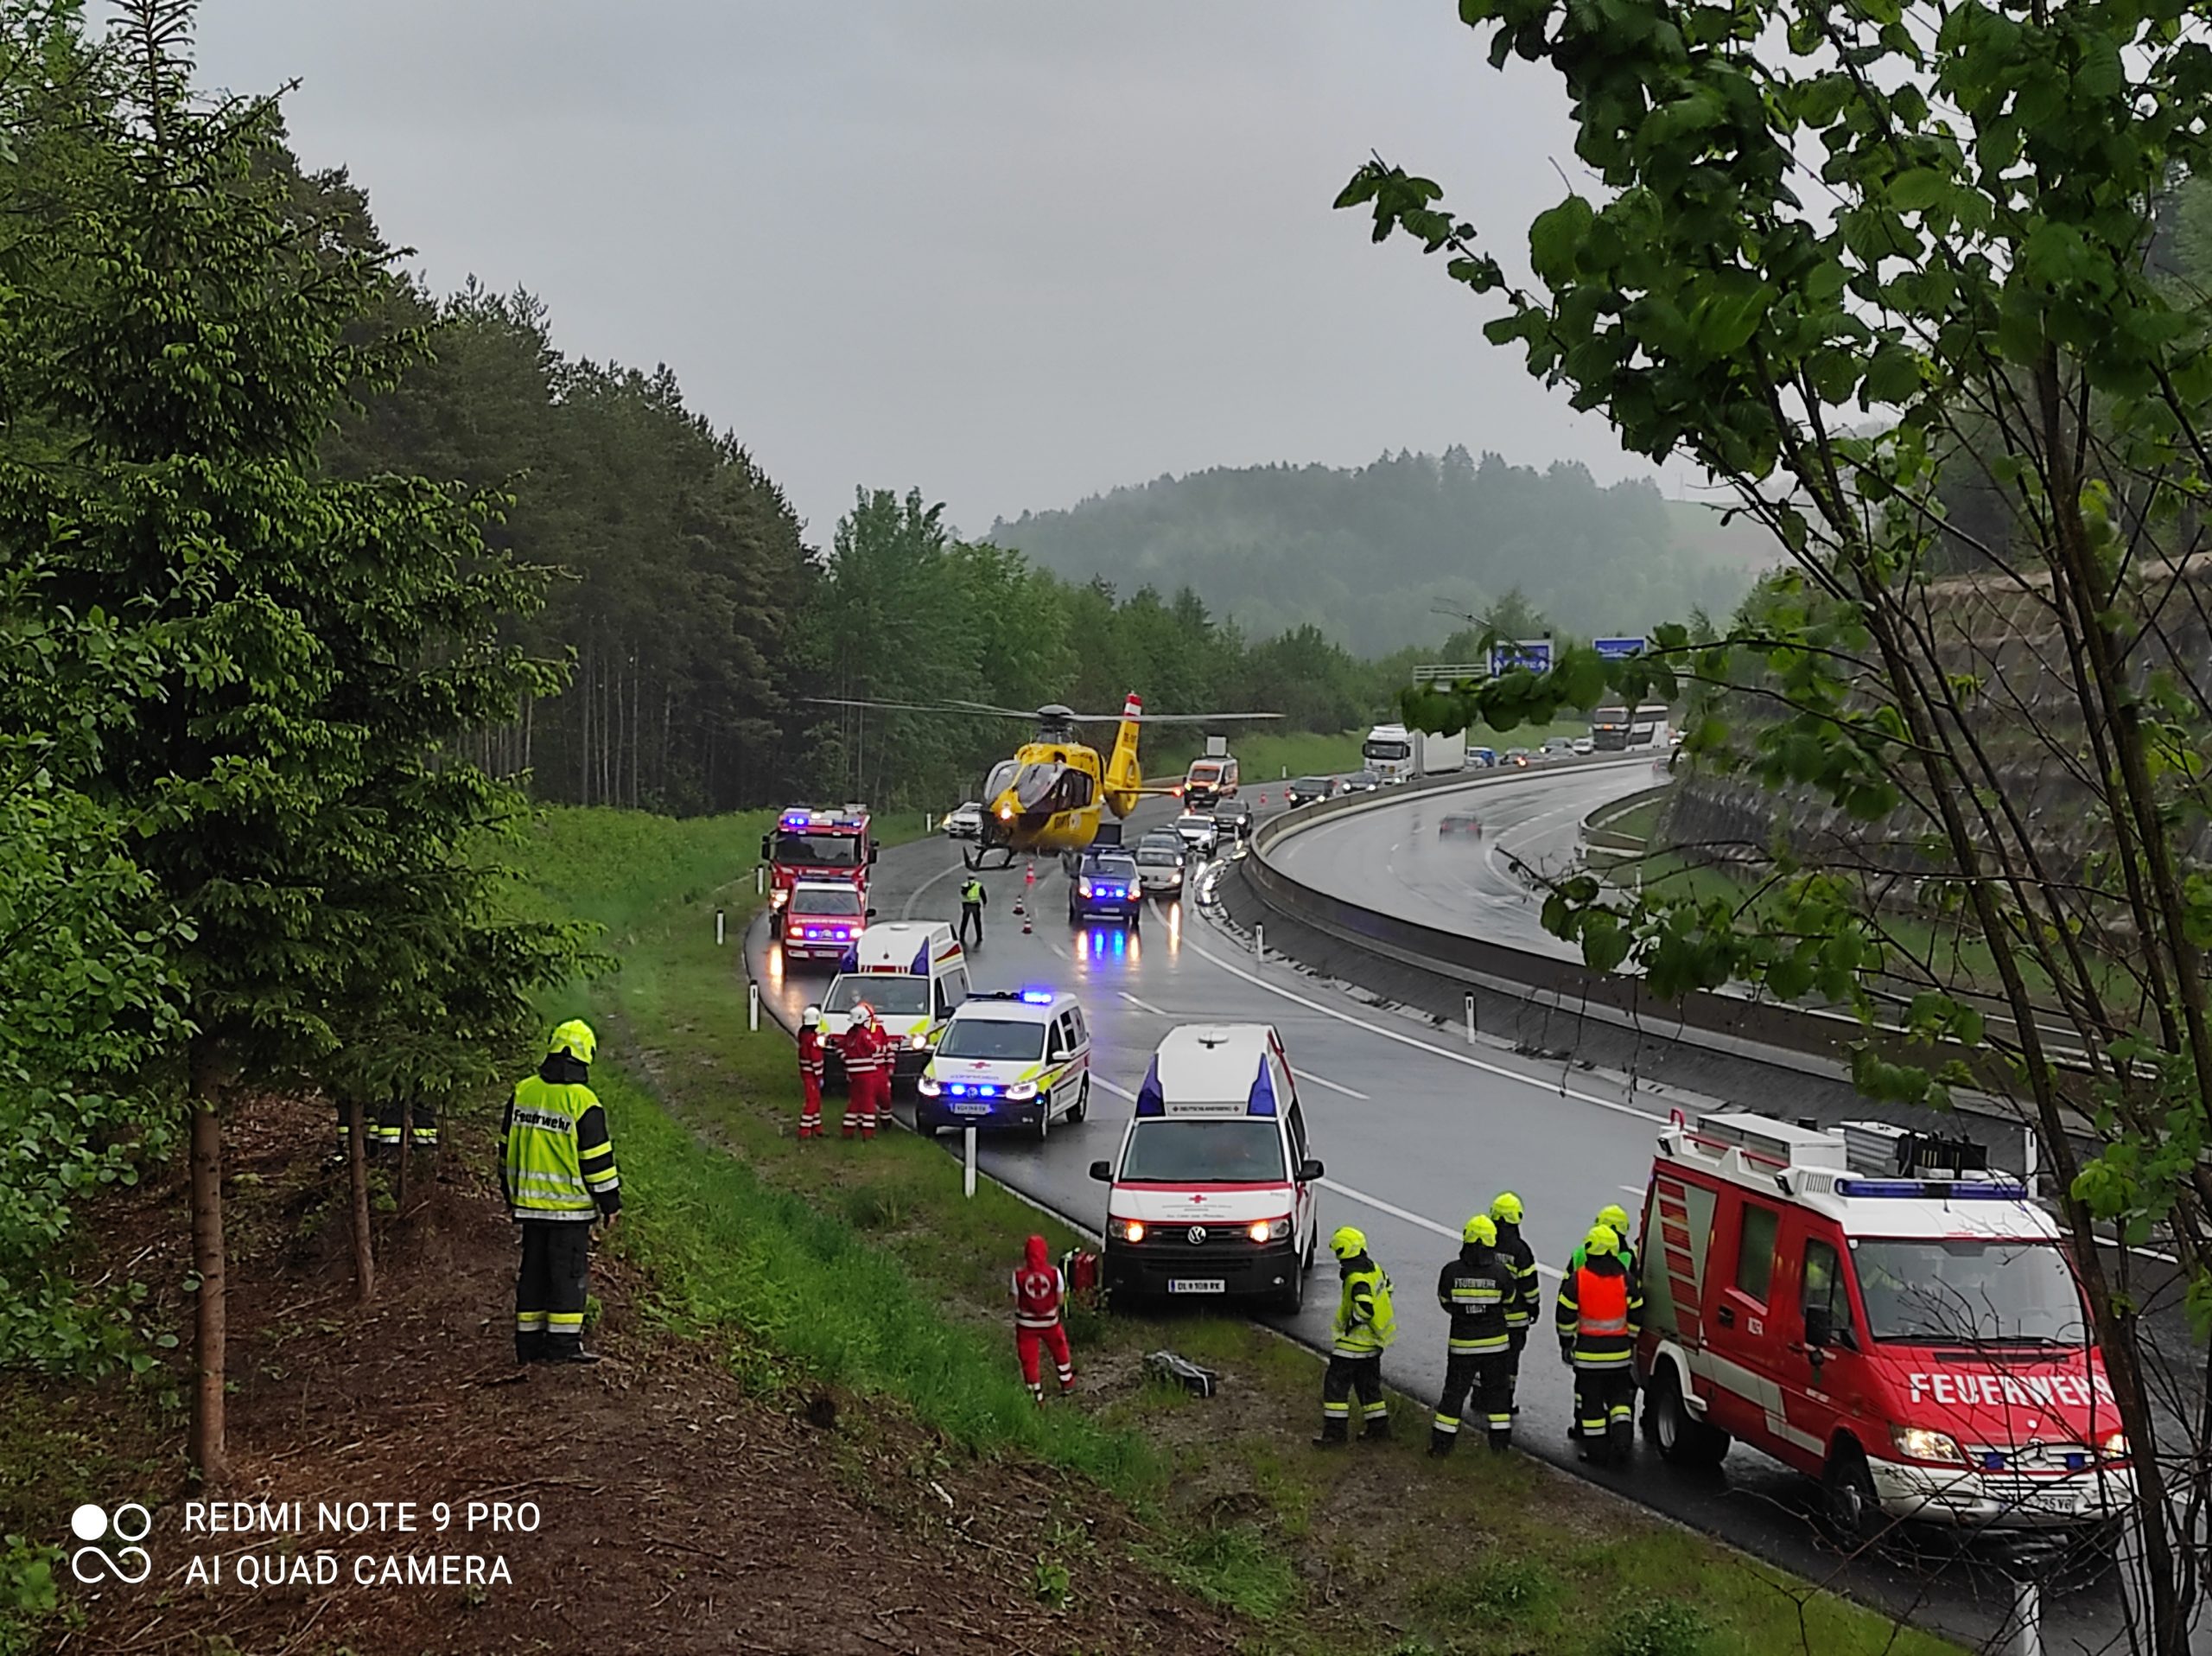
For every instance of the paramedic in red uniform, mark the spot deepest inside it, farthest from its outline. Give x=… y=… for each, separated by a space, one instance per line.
x=1600 y=1310
x=810 y=1073
x=1039 y=1288
x=862 y=1048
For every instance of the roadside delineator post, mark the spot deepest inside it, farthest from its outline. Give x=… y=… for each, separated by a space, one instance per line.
x=719 y=930
x=752 y=1006
x=967 y=1172
x=1471 y=1020
x=2024 y=1637
x=1259 y=942
x=761 y=880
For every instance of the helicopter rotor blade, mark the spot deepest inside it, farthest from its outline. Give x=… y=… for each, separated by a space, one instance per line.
x=959 y=709
x=1165 y=718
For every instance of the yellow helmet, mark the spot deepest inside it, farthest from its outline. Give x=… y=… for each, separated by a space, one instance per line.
x=574 y=1038
x=1602 y=1240
x=1479 y=1229
x=1614 y=1214
x=1505 y=1207
x=1348 y=1242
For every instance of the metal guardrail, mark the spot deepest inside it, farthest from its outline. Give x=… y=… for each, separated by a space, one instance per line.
x=1738 y=1022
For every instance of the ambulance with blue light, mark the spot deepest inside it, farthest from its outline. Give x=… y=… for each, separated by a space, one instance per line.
x=1880 y=1310
x=914 y=974
x=816 y=846
x=1008 y=1057
x=1215 y=1192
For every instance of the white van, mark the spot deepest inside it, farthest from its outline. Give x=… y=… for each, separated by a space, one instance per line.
x=1010 y=1058
x=1214 y=1192
x=914 y=973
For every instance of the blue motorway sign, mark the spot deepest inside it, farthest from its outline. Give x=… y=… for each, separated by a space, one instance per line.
x=1619 y=649
x=1534 y=655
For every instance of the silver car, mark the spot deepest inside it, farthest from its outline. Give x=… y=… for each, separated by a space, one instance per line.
x=1160 y=869
x=964 y=821
x=1198 y=830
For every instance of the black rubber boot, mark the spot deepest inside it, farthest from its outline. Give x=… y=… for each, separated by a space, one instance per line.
x=1334 y=1433
x=1377 y=1430
x=1500 y=1441
x=568 y=1348
x=1439 y=1443
x=530 y=1348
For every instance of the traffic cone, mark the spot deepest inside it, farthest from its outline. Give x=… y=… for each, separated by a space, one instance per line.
x=1029 y=874
x=1263 y=798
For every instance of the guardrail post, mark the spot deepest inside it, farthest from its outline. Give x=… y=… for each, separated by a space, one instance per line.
x=929 y=823
x=720 y=930
x=752 y=1006
x=968 y=1173
x=1471 y=1020
x=2024 y=1635
x=761 y=880
x=1259 y=942
x=2027 y=1158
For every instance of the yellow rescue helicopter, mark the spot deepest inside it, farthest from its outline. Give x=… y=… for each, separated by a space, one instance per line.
x=1048 y=797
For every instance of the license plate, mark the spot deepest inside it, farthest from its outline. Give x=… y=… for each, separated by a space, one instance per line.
x=970 y=1107
x=2056 y=1501
x=1197 y=1285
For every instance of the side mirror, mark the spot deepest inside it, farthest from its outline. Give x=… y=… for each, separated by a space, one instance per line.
x=766 y=854
x=1308 y=1170
x=1059 y=1055
x=874 y=851
x=1820 y=1326
x=1102 y=1171
x=869 y=914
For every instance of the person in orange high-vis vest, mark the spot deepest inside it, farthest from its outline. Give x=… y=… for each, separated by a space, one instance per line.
x=863 y=1047
x=810 y=1073
x=1599 y=1312
x=1038 y=1289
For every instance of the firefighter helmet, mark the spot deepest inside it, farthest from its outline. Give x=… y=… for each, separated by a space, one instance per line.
x=574 y=1038
x=1614 y=1214
x=1603 y=1240
x=1348 y=1243
x=862 y=1012
x=811 y=1019
x=1505 y=1207
x=1481 y=1228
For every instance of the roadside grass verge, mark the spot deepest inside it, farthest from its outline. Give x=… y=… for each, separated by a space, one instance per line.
x=861 y=1267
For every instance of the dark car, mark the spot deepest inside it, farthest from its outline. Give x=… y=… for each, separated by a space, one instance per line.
x=1106 y=887
x=1307 y=789
x=1365 y=781
x=1233 y=817
x=1460 y=825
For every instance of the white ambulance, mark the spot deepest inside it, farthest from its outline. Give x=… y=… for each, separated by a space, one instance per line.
x=1881 y=1311
x=1214 y=1192
x=914 y=973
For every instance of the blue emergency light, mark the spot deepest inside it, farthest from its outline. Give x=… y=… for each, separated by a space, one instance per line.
x=1262 y=1099
x=921 y=966
x=962 y=1090
x=1151 y=1101
x=1037 y=996
x=797 y=819
x=1939 y=1189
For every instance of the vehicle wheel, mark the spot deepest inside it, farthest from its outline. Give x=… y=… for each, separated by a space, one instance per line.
x=1290 y=1299
x=1082 y=1101
x=775 y=923
x=1681 y=1438
x=1854 y=1510
x=1075 y=917
x=1313 y=1243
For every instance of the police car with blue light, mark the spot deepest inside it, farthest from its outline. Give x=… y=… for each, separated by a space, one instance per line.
x=1215 y=1192
x=1010 y=1058
x=1106 y=887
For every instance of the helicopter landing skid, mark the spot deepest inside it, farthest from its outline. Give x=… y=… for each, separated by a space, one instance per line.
x=974 y=856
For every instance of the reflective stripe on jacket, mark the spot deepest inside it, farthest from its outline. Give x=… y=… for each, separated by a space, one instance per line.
x=1600 y=1309
x=1364 y=1323
x=1474 y=1290
x=1527 y=1292
x=559 y=1162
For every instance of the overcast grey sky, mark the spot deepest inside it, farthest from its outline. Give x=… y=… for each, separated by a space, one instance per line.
x=1010 y=251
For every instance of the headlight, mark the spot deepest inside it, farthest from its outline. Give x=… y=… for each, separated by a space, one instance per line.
x=1022 y=1090
x=927 y=1086
x=1125 y=1230
x=1267 y=1230
x=1919 y=1444
x=917 y=1039
x=780 y=897
x=1083 y=888
x=2113 y=1448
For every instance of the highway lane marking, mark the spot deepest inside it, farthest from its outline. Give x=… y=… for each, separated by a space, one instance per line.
x=1334 y=1086
x=1405 y=1040
x=1396 y=1211
x=1141 y=1006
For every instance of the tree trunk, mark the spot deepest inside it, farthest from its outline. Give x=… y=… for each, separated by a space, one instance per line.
x=210 y=1452
x=356 y=1178
x=406 y=1108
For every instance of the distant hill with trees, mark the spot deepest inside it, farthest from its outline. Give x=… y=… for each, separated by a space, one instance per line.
x=1392 y=554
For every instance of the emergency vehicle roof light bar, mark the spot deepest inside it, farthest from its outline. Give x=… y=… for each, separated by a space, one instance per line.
x=1150 y=1101
x=1262 y=1099
x=1939 y=1189
x=921 y=966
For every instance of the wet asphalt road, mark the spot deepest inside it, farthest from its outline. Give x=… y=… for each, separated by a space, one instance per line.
x=1417 y=1130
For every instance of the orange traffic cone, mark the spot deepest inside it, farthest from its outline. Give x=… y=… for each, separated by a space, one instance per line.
x=1029 y=874
x=1263 y=798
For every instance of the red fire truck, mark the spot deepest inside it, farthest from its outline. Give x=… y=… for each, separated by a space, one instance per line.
x=814 y=844
x=1879 y=1310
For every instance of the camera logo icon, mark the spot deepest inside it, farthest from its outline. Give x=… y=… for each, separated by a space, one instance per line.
x=111 y=1549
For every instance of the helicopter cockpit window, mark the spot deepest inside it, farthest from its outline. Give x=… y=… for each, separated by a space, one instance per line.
x=1033 y=785
x=1002 y=778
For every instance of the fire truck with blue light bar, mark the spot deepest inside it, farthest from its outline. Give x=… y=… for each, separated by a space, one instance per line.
x=1214 y=1191
x=807 y=843
x=1882 y=1311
